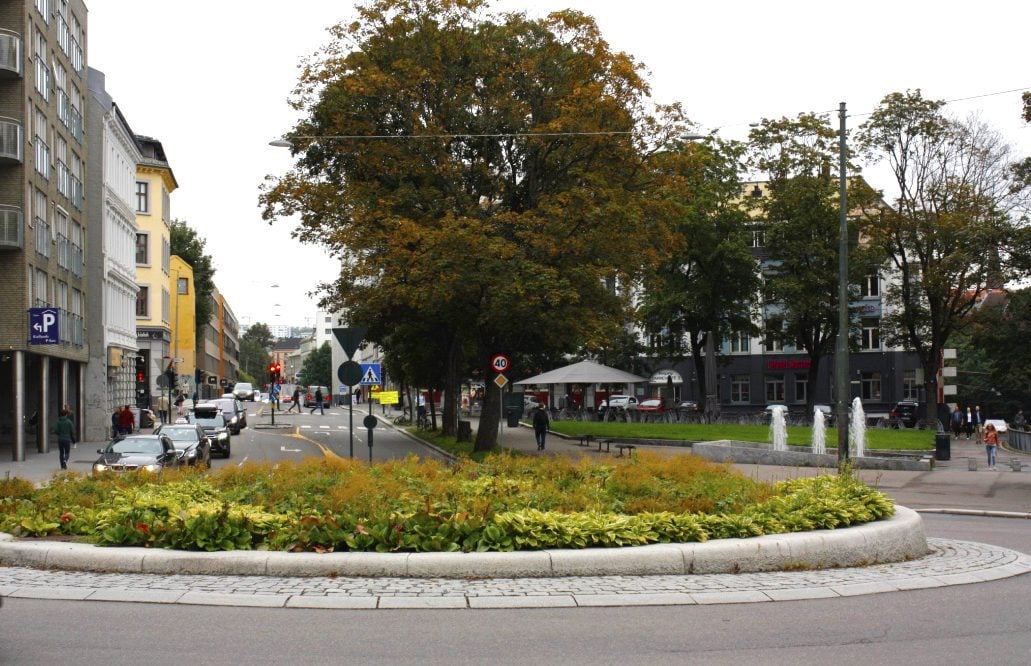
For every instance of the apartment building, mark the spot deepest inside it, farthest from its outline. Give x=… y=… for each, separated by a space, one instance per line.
x=218 y=352
x=43 y=157
x=111 y=254
x=153 y=185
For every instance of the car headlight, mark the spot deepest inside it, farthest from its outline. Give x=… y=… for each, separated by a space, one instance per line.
x=153 y=467
x=232 y=420
x=100 y=467
x=223 y=435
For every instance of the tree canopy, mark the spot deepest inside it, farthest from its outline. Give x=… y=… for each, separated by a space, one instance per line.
x=478 y=174
x=189 y=246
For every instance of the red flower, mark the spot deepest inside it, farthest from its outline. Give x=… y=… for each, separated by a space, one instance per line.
x=66 y=517
x=143 y=527
x=360 y=529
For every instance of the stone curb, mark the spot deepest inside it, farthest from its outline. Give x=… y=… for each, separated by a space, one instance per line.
x=978 y=512
x=898 y=538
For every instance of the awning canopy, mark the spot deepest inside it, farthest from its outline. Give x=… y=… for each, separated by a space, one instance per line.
x=585 y=372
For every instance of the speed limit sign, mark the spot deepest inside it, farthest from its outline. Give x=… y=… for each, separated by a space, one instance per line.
x=499 y=362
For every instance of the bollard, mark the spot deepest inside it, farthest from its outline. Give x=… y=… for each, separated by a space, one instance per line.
x=972 y=464
x=1015 y=464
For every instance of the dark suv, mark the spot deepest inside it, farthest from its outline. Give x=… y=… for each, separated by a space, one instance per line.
x=905 y=414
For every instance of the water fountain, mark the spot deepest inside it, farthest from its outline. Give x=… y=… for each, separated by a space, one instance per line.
x=857 y=429
x=779 y=428
x=819 y=432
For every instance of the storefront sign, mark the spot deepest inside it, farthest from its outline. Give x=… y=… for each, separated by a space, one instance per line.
x=667 y=376
x=794 y=364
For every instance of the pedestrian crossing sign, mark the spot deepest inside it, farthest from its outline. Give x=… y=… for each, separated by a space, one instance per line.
x=371 y=373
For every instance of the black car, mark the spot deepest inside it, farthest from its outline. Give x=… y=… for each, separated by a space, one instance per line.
x=190 y=441
x=132 y=453
x=212 y=420
x=905 y=413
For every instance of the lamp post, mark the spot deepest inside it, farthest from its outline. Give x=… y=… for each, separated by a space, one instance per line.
x=841 y=344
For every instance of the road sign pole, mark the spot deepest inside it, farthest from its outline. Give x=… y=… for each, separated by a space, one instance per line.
x=350 y=420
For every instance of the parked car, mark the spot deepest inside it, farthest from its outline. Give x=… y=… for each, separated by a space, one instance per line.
x=828 y=413
x=688 y=406
x=309 y=397
x=236 y=415
x=905 y=414
x=530 y=401
x=652 y=405
x=769 y=409
x=132 y=453
x=213 y=421
x=191 y=442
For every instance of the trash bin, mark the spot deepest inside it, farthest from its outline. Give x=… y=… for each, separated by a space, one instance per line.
x=512 y=413
x=465 y=431
x=942 y=446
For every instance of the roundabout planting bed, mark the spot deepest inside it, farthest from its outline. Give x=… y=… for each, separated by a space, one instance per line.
x=506 y=503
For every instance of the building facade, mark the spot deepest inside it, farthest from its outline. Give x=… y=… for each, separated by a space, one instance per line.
x=184 y=324
x=154 y=185
x=111 y=254
x=43 y=157
x=218 y=353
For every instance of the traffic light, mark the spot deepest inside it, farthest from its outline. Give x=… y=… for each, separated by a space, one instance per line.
x=279 y=372
x=140 y=377
x=271 y=373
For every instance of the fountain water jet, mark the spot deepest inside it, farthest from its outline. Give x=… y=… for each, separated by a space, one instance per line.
x=819 y=432
x=857 y=429
x=779 y=428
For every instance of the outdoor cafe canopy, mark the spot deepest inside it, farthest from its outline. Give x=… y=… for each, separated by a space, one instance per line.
x=584 y=372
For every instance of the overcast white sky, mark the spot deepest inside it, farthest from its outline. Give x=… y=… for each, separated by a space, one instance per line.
x=210 y=79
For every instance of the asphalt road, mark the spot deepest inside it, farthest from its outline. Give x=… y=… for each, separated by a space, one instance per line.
x=986 y=623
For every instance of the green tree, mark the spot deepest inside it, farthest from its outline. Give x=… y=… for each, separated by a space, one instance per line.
x=317 y=368
x=190 y=247
x=707 y=278
x=994 y=359
x=954 y=224
x=254 y=351
x=498 y=195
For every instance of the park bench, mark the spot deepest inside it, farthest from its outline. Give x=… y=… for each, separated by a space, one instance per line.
x=606 y=443
x=585 y=440
x=630 y=448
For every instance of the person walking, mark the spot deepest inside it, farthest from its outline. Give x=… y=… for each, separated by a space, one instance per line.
x=979 y=423
x=991 y=443
x=968 y=422
x=296 y=402
x=318 y=403
x=65 y=430
x=540 y=425
x=1018 y=421
x=115 y=421
x=126 y=421
x=957 y=421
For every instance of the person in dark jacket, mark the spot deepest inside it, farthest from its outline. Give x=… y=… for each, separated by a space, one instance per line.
x=540 y=425
x=65 y=430
x=318 y=402
x=296 y=400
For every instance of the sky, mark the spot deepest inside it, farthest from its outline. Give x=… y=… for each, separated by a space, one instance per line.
x=211 y=80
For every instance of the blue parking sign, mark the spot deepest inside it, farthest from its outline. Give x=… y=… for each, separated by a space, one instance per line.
x=43 y=326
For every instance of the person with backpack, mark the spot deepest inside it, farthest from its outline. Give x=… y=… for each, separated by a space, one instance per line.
x=541 y=423
x=65 y=431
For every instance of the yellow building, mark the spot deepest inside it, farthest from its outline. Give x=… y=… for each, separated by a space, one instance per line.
x=154 y=184
x=184 y=321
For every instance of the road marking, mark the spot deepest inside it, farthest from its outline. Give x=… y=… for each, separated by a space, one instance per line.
x=324 y=427
x=326 y=451
x=306 y=427
x=283 y=448
x=240 y=464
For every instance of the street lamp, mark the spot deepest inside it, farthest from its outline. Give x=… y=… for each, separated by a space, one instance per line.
x=841 y=344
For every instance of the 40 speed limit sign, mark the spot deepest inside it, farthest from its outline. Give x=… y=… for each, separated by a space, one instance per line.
x=499 y=362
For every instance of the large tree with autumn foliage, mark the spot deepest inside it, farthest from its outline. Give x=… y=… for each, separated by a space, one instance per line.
x=479 y=175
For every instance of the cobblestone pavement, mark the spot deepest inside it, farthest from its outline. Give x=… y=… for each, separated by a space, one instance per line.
x=951 y=562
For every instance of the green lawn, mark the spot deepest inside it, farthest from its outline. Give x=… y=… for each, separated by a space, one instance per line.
x=875 y=438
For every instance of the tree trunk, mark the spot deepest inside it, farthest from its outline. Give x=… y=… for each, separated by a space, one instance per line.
x=810 y=384
x=449 y=421
x=490 y=415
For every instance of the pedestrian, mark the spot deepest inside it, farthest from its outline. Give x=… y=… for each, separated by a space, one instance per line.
x=979 y=423
x=126 y=421
x=163 y=408
x=1018 y=420
x=968 y=422
x=957 y=421
x=318 y=402
x=296 y=401
x=357 y=396
x=65 y=430
x=115 y=421
x=179 y=400
x=540 y=425
x=991 y=443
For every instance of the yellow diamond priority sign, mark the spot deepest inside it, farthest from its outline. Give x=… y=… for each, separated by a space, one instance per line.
x=501 y=380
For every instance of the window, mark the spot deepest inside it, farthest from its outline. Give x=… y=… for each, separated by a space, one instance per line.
x=142 y=201
x=142 y=302
x=801 y=388
x=142 y=256
x=910 y=389
x=42 y=148
x=871 y=385
x=871 y=335
x=871 y=286
x=740 y=343
x=758 y=238
x=739 y=389
x=328 y=331
x=775 y=388
x=41 y=288
x=773 y=341
x=183 y=286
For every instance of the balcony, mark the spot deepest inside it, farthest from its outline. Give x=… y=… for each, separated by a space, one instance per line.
x=12 y=225
x=10 y=55
x=12 y=141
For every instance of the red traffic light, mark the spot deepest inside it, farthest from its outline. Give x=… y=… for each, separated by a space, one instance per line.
x=139 y=376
